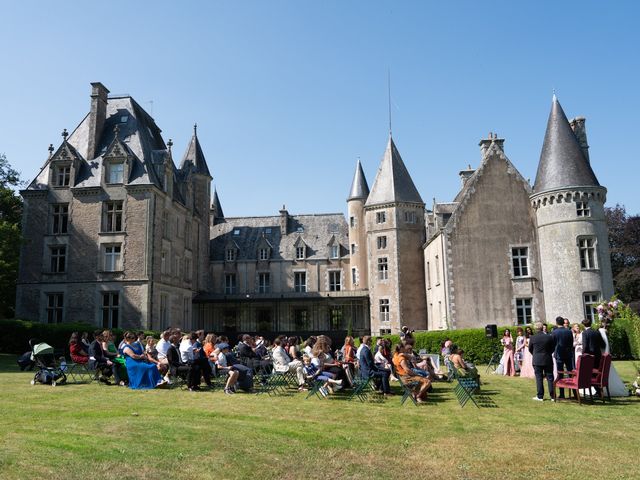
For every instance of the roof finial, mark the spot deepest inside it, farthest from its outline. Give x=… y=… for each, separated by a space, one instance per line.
x=195 y=129
x=116 y=130
x=554 y=98
x=65 y=134
x=170 y=144
x=389 y=95
x=50 y=150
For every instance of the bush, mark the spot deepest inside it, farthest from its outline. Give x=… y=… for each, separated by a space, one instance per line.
x=626 y=332
x=17 y=333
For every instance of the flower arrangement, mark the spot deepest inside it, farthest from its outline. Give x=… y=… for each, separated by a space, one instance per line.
x=607 y=311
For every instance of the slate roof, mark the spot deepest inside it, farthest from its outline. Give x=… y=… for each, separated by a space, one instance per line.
x=359 y=186
x=215 y=205
x=562 y=162
x=393 y=183
x=317 y=233
x=193 y=159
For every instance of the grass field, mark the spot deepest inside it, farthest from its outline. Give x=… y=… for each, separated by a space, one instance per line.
x=92 y=431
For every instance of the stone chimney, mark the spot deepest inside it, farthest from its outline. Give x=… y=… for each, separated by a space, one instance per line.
x=466 y=174
x=485 y=143
x=97 y=117
x=284 y=221
x=580 y=131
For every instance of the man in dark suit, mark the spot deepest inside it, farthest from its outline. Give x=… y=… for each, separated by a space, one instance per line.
x=564 y=348
x=99 y=362
x=368 y=368
x=541 y=347
x=592 y=342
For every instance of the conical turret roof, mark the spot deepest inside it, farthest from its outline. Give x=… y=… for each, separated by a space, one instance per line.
x=393 y=182
x=562 y=163
x=359 y=186
x=215 y=205
x=194 y=158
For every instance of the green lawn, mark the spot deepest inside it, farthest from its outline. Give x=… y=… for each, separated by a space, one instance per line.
x=99 y=432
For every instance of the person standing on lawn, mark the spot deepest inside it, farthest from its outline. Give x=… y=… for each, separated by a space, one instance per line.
x=564 y=348
x=541 y=347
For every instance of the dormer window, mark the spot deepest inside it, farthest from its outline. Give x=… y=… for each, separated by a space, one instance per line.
x=263 y=254
x=335 y=251
x=267 y=231
x=301 y=252
x=61 y=175
x=230 y=255
x=236 y=232
x=300 y=229
x=115 y=172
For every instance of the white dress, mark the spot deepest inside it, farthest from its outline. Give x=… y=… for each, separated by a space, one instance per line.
x=616 y=386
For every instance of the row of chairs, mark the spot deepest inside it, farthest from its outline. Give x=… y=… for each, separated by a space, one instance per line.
x=585 y=377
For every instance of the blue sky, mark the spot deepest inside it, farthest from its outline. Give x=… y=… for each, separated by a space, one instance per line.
x=287 y=95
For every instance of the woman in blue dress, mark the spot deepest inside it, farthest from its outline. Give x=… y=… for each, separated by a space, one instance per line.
x=142 y=374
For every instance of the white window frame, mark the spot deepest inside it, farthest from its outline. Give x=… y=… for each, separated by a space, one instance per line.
x=264 y=282
x=520 y=262
x=524 y=310
x=301 y=252
x=335 y=251
x=335 y=280
x=230 y=283
x=300 y=282
x=61 y=175
x=112 y=257
x=115 y=173
x=383 y=268
x=230 y=255
x=590 y=301
x=263 y=254
x=587 y=247
x=384 y=310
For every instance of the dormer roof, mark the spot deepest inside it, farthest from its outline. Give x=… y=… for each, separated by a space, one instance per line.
x=562 y=162
x=393 y=184
x=194 y=158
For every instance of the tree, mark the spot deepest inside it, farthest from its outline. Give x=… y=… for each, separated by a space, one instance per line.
x=10 y=238
x=624 y=241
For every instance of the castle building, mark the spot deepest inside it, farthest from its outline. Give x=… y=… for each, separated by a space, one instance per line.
x=118 y=236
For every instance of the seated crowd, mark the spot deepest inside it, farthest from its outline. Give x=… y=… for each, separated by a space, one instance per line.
x=142 y=362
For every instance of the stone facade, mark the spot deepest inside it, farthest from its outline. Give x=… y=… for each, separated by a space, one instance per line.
x=117 y=235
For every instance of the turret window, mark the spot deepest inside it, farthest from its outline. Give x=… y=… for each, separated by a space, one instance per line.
x=353 y=249
x=587 y=247
x=383 y=268
x=381 y=217
x=582 y=209
x=381 y=242
x=352 y=221
x=354 y=276
x=410 y=217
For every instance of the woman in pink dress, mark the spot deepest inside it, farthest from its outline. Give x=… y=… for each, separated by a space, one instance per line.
x=527 y=359
x=507 y=354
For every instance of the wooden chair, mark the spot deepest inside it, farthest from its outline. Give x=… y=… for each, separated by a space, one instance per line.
x=600 y=377
x=579 y=379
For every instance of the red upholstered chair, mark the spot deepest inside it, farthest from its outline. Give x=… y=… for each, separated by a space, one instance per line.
x=600 y=377
x=579 y=379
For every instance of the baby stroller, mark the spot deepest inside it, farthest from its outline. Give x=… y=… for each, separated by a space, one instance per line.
x=48 y=372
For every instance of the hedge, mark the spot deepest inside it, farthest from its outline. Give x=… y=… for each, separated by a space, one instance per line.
x=15 y=334
x=625 y=334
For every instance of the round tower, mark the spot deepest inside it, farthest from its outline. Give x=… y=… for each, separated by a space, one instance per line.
x=572 y=231
x=358 y=275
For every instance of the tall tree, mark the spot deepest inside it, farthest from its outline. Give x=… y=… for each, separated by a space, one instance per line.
x=624 y=241
x=10 y=238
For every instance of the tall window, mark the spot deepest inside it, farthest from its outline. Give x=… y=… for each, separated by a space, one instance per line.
x=381 y=242
x=520 y=261
x=60 y=218
x=112 y=258
x=335 y=251
x=164 y=310
x=58 y=259
x=587 y=248
x=55 y=307
x=437 y=270
x=300 y=253
x=354 y=276
x=381 y=217
x=115 y=172
x=113 y=216
x=591 y=301
x=300 y=281
x=166 y=224
x=384 y=309
x=264 y=282
x=335 y=317
x=263 y=254
x=582 y=209
x=352 y=221
x=110 y=309
x=164 y=263
x=523 y=311
x=428 y=275
x=230 y=283
x=353 y=248
x=62 y=175
x=335 y=281
x=383 y=268
x=187 y=235
x=187 y=269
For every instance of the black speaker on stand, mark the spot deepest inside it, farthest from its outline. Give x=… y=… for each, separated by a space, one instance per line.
x=491 y=331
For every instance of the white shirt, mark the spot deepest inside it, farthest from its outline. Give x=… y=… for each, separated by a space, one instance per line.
x=186 y=351
x=222 y=360
x=359 y=350
x=162 y=347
